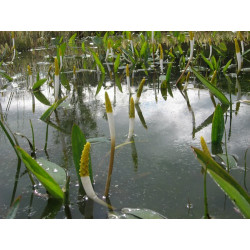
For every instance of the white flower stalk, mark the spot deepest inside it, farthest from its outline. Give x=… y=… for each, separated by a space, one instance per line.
x=138 y=95
x=61 y=60
x=211 y=49
x=161 y=58
x=84 y=175
x=238 y=55
x=242 y=47
x=131 y=118
x=186 y=83
x=112 y=136
x=109 y=51
x=131 y=42
x=74 y=72
x=30 y=77
x=191 y=34
x=128 y=79
x=13 y=45
x=57 y=82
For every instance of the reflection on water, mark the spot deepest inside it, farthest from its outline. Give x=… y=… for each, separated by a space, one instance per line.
x=157 y=170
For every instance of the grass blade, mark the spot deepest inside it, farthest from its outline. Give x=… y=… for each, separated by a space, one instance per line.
x=227 y=183
x=211 y=87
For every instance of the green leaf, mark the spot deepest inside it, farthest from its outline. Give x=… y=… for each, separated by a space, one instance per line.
x=41 y=98
x=168 y=72
x=164 y=90
x=55 y=171
x=143 y=49
x=143 y=213
x=83 y=47
x=117 y=63
x=227 y=65
x=3 y=74
x=207 y=62
x=13 y=209
x=223 y=47
x=72 y=40
x=227 y=183
x=98 y=62
x=231 y=160
x=212 y=88
x=217 y=125
x=39 y=83
x=64 y=80
x=48 y=182
x=99 y=86
x=78 y=142
x=118 y=82
x=53 y=107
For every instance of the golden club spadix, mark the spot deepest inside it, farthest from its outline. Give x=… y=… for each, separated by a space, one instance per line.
x=238 y=55
x=161 y=58
x=56 y=79
x=139 y=91
x=210 y=48
x=131 y=118
x=84 y=175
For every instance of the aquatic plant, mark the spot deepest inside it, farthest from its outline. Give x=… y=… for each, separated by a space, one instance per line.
x=238 y=55
x=210 y=48
x=127 y=78
x=161 y=58
x=131 y=118
x=112 y=136
x=131 y=42
x=139 y=91
x=186 y=82
x=13 y=45
x=30 y=77
x=74 y=72
x=57 y=81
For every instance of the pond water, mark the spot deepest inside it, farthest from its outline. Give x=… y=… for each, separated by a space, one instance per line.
x=157 y=170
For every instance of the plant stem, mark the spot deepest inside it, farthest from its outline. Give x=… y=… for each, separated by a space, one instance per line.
x=33 y=137
x=46 y=138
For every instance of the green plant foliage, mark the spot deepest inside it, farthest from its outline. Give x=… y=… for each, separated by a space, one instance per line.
x=41 y=98
x=52 y=108
x=207 y=62
x=64 y=81
x=99 y=86
x=13 y=209
x=231 y=160
x=227 y=183
x=3 y=74
x=78 y=142
x=117 y=63
x=39 y=83
x=217 y=125
x=212 y=88
x=118 y=82
x=98 y=62
x=72 y=40
x=169 y=72
x=48 y=182
x=227 y=65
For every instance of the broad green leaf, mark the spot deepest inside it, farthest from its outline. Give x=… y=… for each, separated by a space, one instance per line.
x=164 y=90
x=39 y=83
x=143 y=49
x=212 y=88
x=41 y=98
x=72 y=40
x=117 y=63
x=207 y=62
x=64 y=80
x=99 y=86
x=55 y=171
x=168 y=72
x=98 y=62
x=78 y=141
x=227 y=65
x=48 y=182
x=227 y=183
x=223 y=47
x=53 y=107
x=217 y=125
x=118 y=82
x=231 y=160
x=13 y=209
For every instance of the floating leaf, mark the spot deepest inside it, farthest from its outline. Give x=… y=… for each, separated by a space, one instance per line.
x=13 y=209
x=217 y=125
x=39 y=83
x=142 y=213
x=211 y=87
x=78 y=142
x=55 y=171
x=117 y=63
x=48 y=182
x=227 y=183
x=41 y=98
x=52 y=108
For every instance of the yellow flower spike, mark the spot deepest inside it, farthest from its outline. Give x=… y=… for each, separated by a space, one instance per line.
x=240 y=36
x=132 y=108
x=108 y=103
x=204 y=147
x=74 y=70
x=161 y=51
x=191 y=34
x=129 y=36
x=127 y=70
x=29 y=70
x=12 y=34
x=210 y=41
x=237 y=48
x=140 y=87
x=56 y=67
x=213 y=77
x=60 y=52
x=187 y=77
x=84 y=162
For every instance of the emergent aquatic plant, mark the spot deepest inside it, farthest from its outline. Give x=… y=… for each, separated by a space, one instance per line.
x=57 y=82
x=131 y=118
x=238 y=55
x=128 y=79
x=138 y=94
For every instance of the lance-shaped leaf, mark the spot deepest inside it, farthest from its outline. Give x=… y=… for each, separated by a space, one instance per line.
x=227 y=183
x=118 y=82
x=98 y=62
x=41 y=98
x=217 y=125
x=117 y=63
x=3 y=74
x=211 y=87
x=48 y=182
x=13 y=209
x=52 y=108
x=207 y=62
x=64 y=81
x=227 y=65
x=39 y=83
x=100 y=83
